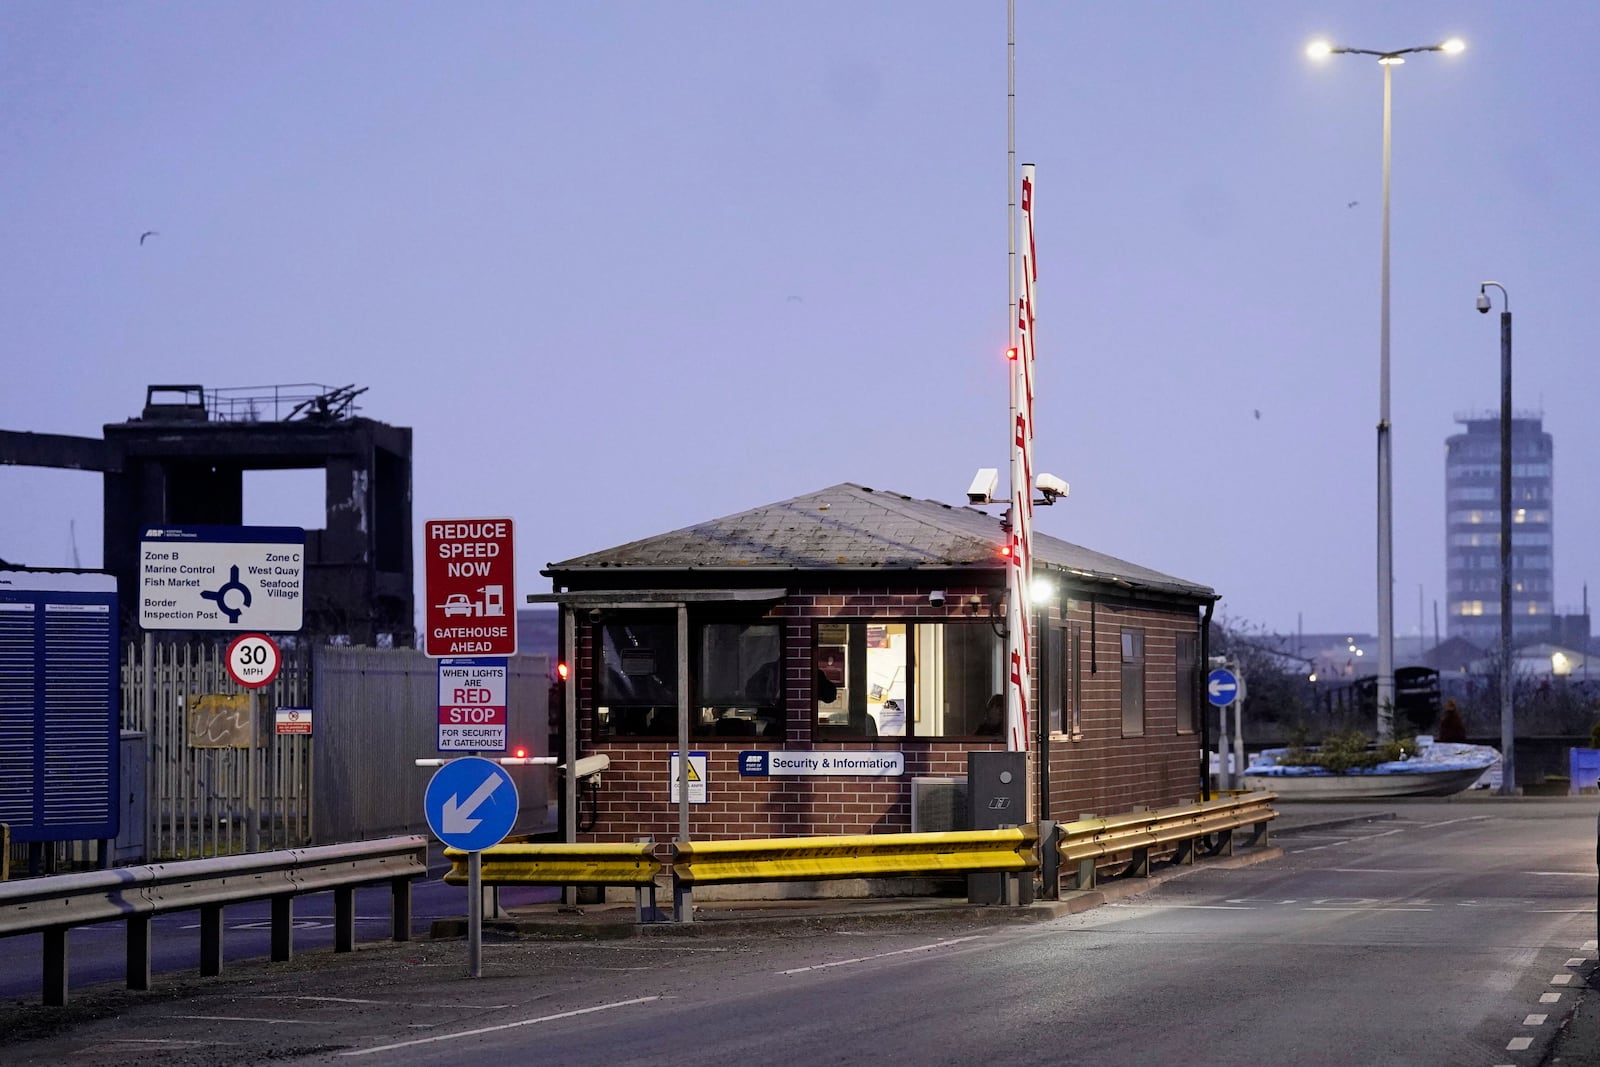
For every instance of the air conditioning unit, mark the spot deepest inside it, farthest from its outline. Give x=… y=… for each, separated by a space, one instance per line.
x=939 y=805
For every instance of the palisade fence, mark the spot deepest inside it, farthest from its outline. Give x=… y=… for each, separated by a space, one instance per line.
x=206 y=771
x=212 y=791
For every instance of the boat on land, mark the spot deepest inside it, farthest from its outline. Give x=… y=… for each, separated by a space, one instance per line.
x=1439 y=769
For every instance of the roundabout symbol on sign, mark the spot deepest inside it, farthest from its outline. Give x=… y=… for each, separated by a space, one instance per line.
x=253 y=660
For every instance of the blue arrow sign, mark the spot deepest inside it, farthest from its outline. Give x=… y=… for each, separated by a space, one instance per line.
x=1222 y=685
x=471 y=803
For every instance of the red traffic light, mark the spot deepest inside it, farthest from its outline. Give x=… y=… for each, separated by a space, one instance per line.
x=562 y=670
x=520 y=752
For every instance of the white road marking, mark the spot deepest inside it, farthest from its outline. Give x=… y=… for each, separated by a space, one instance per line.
x=882 y=955
x=165 y=1041
x=503 y=1026
x=1588 y=945
x=1561 y=874
x=1518 y=1044
x=1452 y=822
x=240 y=1019
x=360 y=1000
x=1561 y=979
x=1576 y=961
x=1535 y=1020
x=1549 y=998
x=1369 y=908
x=1183 y=907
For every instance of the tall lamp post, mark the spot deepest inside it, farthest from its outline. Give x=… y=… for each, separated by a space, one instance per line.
x=1508 y=778
x=1385 y=689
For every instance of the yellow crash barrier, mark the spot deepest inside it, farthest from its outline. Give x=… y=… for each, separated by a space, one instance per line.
x=856 y=856
x=560 y=864
x=1135 y=833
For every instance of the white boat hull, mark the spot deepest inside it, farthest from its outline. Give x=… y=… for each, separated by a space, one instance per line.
x=1361 y=786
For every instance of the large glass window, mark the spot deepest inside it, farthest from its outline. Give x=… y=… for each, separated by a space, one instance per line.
x=899 y=679
x=735 y=675
x=741 y=680
x=637 y=692
x=1132 y=683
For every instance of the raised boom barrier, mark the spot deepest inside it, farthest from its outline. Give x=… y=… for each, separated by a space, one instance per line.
x=53 y=906
x=1135 y=834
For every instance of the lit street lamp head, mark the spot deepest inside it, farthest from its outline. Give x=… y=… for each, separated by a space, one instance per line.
x=1322 y=49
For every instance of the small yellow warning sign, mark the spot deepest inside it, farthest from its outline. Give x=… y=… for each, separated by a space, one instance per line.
x=696 y=779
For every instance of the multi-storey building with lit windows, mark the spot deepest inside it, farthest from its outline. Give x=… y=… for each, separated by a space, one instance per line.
x=1472 y=529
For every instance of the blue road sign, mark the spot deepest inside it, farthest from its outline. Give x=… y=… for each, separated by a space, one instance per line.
x=1222 y=685
x=471 y=803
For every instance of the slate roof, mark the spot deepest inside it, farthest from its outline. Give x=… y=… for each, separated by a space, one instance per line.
x=852 y=527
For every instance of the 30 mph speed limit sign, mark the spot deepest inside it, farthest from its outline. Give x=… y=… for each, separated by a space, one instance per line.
x=253 y=660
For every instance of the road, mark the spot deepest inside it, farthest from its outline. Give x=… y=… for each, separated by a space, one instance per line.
x=1453 y=934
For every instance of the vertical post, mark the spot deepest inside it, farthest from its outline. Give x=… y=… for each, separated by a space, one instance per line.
x=282 y=928
x=569 y=739
x=399 y=909
x=474 y=914
x=344 y=918
x=210 y=940
x=1223 y=750
x=683 y=899
x=138 y=951
x=1508 y=770
x=1237 y=777
x=55 y=966
x=1385 y=687
x=252 y=798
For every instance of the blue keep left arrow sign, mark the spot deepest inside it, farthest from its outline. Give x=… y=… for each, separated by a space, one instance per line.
x=1222 y=686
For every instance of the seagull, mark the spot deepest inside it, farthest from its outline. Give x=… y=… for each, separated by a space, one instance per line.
x=1258 y=413
x=796 y=300
x=147 y=233
x=1353 y=203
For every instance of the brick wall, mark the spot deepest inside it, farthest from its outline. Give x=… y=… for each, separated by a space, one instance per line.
x=1101 y=771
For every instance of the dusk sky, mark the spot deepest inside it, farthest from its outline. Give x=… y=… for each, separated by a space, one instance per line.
x=624 y=267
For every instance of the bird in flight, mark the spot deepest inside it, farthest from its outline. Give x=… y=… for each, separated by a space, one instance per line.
x=147 y=233
x=1353 y=203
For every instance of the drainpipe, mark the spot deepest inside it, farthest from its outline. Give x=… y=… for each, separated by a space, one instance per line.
x=1203 y=707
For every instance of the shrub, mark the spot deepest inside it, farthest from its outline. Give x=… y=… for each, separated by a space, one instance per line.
x=1349 y=750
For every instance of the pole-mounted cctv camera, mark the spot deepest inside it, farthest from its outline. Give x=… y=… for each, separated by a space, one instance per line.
x=1483 y=302
x=936 y=597
x=984 y=483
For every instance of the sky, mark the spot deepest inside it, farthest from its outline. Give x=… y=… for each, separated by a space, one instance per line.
x=626 y=267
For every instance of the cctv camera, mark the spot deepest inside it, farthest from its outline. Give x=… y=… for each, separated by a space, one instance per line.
x=1483 y=302
x=1050 y=485
x=936 y=598
x=981 y=491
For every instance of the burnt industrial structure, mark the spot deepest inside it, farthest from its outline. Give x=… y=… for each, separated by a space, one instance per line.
x=182 y=463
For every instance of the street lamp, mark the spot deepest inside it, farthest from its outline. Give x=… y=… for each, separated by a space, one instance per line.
x=1385 y=688
x=1508 y=780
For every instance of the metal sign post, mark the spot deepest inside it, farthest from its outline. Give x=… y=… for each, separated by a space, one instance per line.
x=471 y=804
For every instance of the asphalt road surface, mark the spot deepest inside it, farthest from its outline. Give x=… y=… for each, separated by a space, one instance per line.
x=1454 y=933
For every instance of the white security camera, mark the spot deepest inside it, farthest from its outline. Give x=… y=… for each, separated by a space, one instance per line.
x=589 y=766
x=1051 y=486
x=1483 y=302
x=981 y=491
x=936 y=598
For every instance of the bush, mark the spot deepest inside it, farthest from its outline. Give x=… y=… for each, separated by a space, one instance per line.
x=1348 y=750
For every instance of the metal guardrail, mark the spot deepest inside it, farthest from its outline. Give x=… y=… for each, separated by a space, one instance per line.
x=560 y=864
x=1209 y=824
x=532 y=863
x=856 y=856
x=53 y=906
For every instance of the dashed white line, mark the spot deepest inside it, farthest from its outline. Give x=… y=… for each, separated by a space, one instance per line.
x=1576 y=961
x=1561 y=979
x=1518 y=1044
x=882 y=955
x=362 y=1000
x=1535 y=1020
x=503 y=1026
x=1549 y=998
